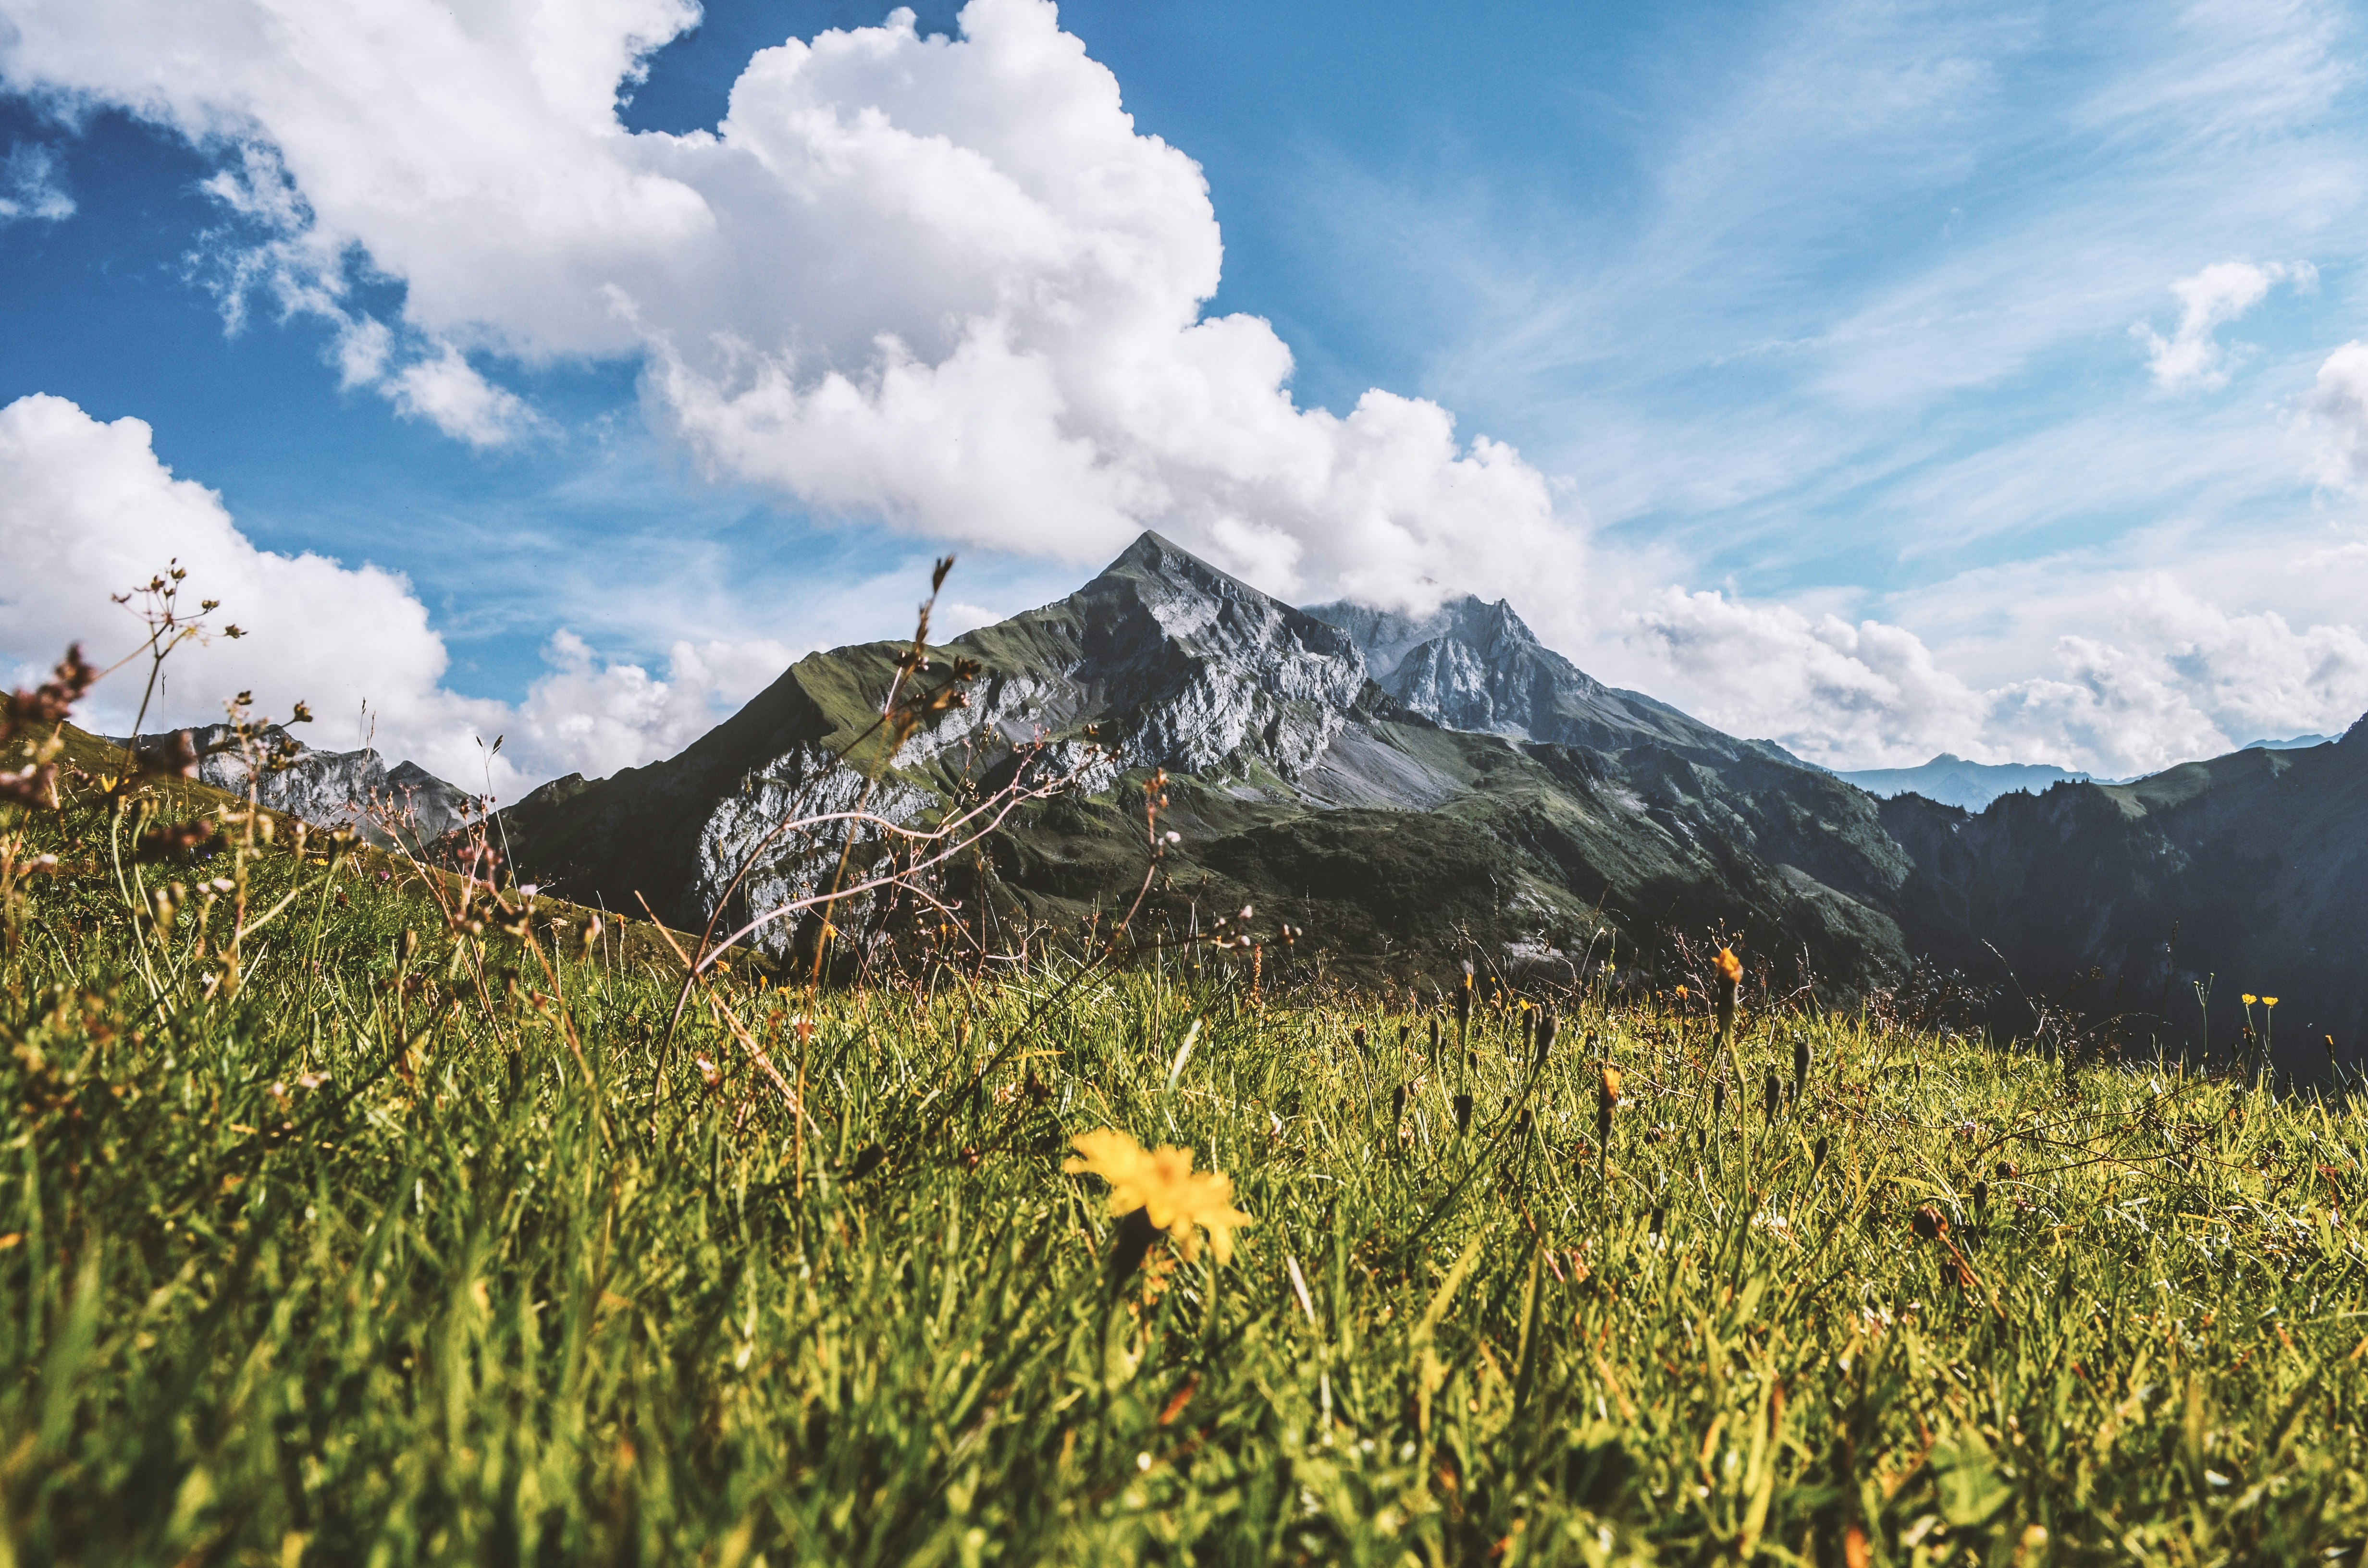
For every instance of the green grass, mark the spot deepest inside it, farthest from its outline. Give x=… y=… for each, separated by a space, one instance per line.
x=381 y=1260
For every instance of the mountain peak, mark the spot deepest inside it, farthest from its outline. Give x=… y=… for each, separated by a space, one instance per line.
x=1474 y=665
x=1388 y=636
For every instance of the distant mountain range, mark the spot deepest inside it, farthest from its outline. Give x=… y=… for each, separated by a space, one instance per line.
x=1954 y=781
x=1413 y=790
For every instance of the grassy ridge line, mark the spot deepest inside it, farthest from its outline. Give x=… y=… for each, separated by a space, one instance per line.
x=380 y=1261
x=170 y=799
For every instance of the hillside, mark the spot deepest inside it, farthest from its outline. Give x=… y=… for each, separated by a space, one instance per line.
x=2249 y=872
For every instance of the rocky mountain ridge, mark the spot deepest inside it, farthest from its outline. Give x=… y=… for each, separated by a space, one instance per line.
x=2245 y=873
x=405 y=805
x=1300 y=784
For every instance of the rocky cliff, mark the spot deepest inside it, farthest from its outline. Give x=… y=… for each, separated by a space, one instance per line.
x=403 y=805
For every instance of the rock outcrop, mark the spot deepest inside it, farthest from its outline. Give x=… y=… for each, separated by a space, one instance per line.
x=405 y=805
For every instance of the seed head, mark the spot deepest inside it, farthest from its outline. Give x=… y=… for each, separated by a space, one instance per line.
x=1726 y=978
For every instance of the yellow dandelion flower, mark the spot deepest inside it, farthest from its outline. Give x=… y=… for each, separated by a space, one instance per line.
x=1730 y=967
x=2250 y=998
x=1175 y=1198
x=2269 y=1001
x=1682 y=992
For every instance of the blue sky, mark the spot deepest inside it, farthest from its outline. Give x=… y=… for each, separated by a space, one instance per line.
x=1840 y=345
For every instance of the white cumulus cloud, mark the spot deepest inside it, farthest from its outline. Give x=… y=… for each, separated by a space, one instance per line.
x=2336 y=413
x=944 y=281
x=602 y=716
x=2191 y=356
x=89 y=512
x=2176 y=679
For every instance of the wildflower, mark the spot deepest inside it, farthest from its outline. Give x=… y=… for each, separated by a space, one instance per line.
x=1725 y=981
x=1173 y=1197
x=2250 y=998
x=2269 y=1001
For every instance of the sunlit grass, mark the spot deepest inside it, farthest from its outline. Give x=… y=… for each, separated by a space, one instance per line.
x=394 y=1251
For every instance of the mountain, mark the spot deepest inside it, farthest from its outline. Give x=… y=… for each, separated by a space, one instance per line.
x=2249 y=873
x=1954 y=781
x=333 y=789
x=1415 y=789
x=2293 y=743
x=1372 y=813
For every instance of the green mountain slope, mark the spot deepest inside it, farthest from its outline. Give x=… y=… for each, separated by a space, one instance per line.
x=2251 y=868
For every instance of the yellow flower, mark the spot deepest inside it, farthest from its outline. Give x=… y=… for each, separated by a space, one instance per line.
x=1682 y=992
x=1161 y=1181
x=2269 y=1001
x=1729 y=967
x=2250 y=998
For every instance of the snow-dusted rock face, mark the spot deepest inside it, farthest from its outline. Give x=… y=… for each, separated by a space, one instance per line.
x=1203 y=674
x=1474 y=665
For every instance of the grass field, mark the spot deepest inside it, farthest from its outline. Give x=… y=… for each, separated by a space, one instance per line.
x=385 y=1251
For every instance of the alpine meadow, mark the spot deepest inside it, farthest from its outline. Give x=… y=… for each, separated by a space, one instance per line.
x=1185 y=783
x=361 y=1210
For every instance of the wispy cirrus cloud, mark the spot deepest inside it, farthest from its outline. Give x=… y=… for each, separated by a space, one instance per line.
x=1866 y=347
x=32 y=187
